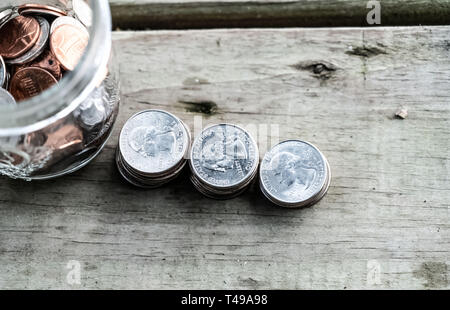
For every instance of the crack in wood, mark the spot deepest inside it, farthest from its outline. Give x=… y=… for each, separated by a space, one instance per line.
x=367 y=51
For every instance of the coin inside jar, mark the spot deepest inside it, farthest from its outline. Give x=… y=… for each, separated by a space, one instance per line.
x=38 y=47
x=46 y=61
x=83 y=11
x=29 y=41
x=69 y=140
x=224 y=161
x=68 y=44
x=66 y=20
x=152 y=150
x=30 y=82
x=38 y=9
x=294 y=174
x=18 y=36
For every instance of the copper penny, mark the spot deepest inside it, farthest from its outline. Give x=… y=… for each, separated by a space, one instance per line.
x=18 y=36
x=46 y=61
x=40 y=9
x=38 y=47
x=30 y=82
x=65 y=137
x=68 y=43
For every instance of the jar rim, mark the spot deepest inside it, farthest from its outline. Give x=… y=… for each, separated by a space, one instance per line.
x=59 y=101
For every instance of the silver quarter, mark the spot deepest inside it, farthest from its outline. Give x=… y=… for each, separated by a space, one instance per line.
x=38 y=47
x=2 y=73
x=123 y=172
x=83 y=12
x=215 y=194
x=66 y=20
x=6 y=98
x=294 y=174
x=146 y=181
x=141 y=181
x=153 y=142
x=93 y=112
x=224 y=156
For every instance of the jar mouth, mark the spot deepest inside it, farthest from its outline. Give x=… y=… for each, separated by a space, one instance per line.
x=59 y=101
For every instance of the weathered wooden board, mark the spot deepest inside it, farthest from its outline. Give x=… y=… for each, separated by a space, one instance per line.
x=181 y=14
x=383 y=224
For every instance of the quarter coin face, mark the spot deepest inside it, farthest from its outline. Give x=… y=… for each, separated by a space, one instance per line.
x=68 y=44
x=18 y=36
x=293 y=172
x=30 y=82
x=224 y=156
x=153 y=142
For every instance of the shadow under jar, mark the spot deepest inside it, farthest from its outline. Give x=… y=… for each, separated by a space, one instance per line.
x=56 y=128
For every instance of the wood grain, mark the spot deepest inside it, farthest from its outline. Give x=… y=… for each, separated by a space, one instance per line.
x=383 y=224
x=182 y=14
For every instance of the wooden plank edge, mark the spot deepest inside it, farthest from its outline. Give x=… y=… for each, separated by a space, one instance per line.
x=198 y=15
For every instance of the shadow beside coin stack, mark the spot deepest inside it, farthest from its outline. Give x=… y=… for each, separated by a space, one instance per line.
x=223 y=160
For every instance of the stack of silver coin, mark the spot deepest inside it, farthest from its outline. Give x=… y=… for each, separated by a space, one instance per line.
x=224 y=161
x=294 y=174
x=153 y=147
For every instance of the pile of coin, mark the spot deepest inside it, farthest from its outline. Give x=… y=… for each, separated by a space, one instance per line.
x=294 y=174
x=224 y=160
x=38 y=45
x=153 y=147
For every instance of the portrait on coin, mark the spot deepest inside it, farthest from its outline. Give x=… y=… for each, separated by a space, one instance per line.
x=221 y=152
x=292 y=173
x=151 y=141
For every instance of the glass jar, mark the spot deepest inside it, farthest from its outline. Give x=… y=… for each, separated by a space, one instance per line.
x=65 y=127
